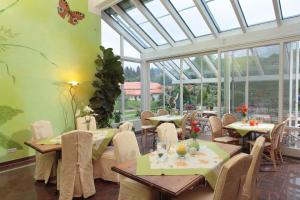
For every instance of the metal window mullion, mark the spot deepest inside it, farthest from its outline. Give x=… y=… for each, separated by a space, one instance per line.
x=171 y=76
x=207 y=18
x=297 y=84
x=173 y=65
x=122 y=86
x=122 y=32
x=138 y=29
x=281 y=82
x=277 y=10
x=239 y=14
x=219 y=83
x=164 y=89
x=181 y=86
x=291 y=83
x=247 y=79
x=201 y=67
x=178 y=20
x=153 y=21
x=210 y=64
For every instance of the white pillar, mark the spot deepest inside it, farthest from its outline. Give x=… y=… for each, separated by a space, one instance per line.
x=145 y=84
x=281 y=82
x=291 y=82
x=219 y=83
x=297 y=84
x=247 y=79
x=181 y=86
x=122 y=86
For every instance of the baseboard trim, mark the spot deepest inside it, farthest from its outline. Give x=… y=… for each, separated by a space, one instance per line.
x=17 y=162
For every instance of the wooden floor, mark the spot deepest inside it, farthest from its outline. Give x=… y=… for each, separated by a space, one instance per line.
x=18 y=184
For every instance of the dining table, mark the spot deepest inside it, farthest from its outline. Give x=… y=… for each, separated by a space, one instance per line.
x=171 y=183
x=101 y=139
x=176 y=119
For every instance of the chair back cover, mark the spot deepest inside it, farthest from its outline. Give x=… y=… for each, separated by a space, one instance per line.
x=41 y=129
x=228 y=119
x=229 y=181
x=144 y=115
x=193 y=116
x=126 y=146
x=161 y=112
x=126 y=126
x=249 y=192
x=216 y=127
x=87 y=123
x=167 y=133
x=76 y=168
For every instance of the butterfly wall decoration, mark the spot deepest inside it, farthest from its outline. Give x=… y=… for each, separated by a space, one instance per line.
x=65 y=11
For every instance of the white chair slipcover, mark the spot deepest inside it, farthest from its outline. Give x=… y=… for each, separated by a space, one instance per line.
x=81 y=123
x=45 y=164
x=75 y=177
x=167 y=133
x=126 y=126
x=126 y=149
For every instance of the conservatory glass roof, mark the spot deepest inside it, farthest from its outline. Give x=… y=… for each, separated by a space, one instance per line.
x=154 y=25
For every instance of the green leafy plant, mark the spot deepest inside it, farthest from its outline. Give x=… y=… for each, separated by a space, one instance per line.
x=109 y=76
x=117 y=116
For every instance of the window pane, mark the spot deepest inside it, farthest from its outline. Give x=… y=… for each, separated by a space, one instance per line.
x=165 y=19
x=170 y=69
x=188 y=71
x=223 y=14
x=203 y=66
x=132 y=89
x=141 y=20
x=156 y=87
x=127 y=28
x=290 y=8
x=257 y=11
x=191 y=16
x=110 y=38
x=130 y=51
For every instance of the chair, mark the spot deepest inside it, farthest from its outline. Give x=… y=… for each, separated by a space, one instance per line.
x=45 y=164
x=87 y=123
x=249 y=189
x=272 y=148
x=229 y=119
x=167 y=133
x=228 y=184
x=161 y=112
x=126 y=149
x=75 y=168
x=217 y=132
x=126 y=126
x=182 y=130
x=147 y=126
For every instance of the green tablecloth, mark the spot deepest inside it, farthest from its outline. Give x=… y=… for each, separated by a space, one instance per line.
x=101 y=139
x=177 y=119
x=244 y=129
x=206 y=162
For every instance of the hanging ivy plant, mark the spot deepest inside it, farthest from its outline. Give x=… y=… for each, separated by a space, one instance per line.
x=109 y=76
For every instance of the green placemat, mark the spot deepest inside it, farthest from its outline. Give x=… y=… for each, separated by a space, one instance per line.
x=109 y=136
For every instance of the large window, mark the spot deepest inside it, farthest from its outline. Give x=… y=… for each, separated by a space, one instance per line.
x=157 y=82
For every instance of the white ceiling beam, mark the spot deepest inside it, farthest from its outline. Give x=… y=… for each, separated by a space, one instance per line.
x=122 y=32
x=265 y=34
x=157 y=64
x=257 y=61
x=239 y=15
x=131 y=23
x=193 y=67
x=178 y=20
x=210 y=64
x=277 y=10
x=207 y=18
x=97 y=6
x=153 y=21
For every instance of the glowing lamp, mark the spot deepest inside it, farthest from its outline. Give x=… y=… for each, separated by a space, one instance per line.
x=73 y=83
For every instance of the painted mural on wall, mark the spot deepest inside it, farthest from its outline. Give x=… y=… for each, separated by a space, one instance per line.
x=37 y=52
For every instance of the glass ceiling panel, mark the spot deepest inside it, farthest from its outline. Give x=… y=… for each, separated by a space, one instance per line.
x=188 y=71
x=257 y=11
x=290 y=8
x=161 y=14
x=202 y=66
x=142 y=22
x=191 y=16
x=170 y=69
x=127 y=28
x=223 y=14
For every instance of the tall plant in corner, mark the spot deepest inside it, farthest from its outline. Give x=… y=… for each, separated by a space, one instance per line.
x=109 y=75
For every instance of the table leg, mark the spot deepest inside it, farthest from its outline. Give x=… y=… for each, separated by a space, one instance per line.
x=163 y=196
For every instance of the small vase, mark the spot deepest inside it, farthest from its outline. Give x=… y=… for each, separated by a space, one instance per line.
x=244 y=120
x=194 y=144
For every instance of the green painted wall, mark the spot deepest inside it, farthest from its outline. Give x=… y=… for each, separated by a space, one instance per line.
x=41 y=51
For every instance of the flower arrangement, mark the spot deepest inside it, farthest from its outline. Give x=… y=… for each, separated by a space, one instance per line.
x=243 y=110
x=86 y=112
x=195 y=129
